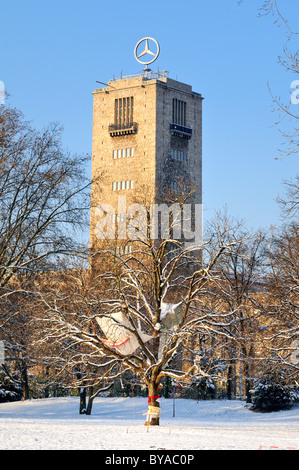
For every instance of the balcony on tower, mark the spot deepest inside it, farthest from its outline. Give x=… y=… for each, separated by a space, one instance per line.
x=180 y=131
x=178 y=126
x=119 y=129
x=123 y=117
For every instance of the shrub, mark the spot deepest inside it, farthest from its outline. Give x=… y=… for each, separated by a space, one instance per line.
x=269 y=395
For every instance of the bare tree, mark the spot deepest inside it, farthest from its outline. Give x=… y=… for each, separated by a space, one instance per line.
x=44 y=199
x=283 y=286
x=289 y=60
x=141 y=309
x=289 y=203
x=238 y=284
x=43 y=195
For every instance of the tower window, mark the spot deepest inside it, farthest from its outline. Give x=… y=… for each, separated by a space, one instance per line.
x=179 y=155
x=123 y=118
x=126 y=250
x=123 y=153
x=122 y=185
x=177 y=188
x=179 y=112
x=123 y=111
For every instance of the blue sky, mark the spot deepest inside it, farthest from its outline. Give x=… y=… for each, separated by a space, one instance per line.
x=53 y=52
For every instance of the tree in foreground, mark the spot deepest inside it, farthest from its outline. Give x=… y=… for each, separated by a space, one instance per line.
x=142 y=311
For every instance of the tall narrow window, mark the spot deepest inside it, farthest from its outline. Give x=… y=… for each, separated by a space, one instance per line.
x=174 y=113
x=120 y=112
x=123 y=112
x=128 y=110
x=124 y=116
x=131 y=109
x=179 y=155
x=179 y=112
x=116 y=117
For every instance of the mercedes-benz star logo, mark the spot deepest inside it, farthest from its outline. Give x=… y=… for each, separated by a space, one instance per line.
x=147 y=51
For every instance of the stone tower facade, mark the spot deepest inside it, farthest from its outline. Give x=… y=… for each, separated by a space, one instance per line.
x=147 y=142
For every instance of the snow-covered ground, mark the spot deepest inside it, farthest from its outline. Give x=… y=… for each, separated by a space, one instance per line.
x=118 y=424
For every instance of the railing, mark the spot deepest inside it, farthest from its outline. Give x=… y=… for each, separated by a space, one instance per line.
x=123 y=129
x=181 y=131
x=146 y=74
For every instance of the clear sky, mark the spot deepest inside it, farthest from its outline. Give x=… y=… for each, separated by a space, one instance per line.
x=53 y=52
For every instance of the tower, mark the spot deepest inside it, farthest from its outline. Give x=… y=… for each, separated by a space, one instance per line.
x=147 y=141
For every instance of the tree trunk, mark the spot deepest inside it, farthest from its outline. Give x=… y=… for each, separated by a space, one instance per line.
x=246 y=370
x=24 y=379
x=46 y=391
x=247 y=383
x=229 y=383
x=231 y=380
x=91 y=397
x=153 y=392
x=167 y=387
x=82 y=394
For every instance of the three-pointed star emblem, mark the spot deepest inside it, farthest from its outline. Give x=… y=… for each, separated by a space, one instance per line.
x=147 y=50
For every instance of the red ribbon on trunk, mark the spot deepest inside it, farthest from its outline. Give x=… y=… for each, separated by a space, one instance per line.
x=154 y=398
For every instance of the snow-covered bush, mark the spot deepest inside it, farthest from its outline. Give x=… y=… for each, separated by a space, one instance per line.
x=7 y=395
x=272 y=395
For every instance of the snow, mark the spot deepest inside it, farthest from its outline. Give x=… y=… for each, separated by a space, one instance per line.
x=118 y=424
